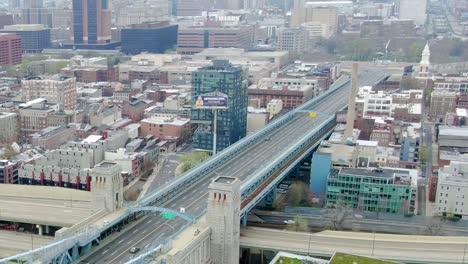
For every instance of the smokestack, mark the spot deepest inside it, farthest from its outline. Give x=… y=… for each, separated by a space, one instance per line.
x=352 y=102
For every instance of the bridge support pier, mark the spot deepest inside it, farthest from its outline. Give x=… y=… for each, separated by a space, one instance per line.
x=244 y=220
x=270 y=198
x=39 y=229
x=75 y=254
x=86 y=248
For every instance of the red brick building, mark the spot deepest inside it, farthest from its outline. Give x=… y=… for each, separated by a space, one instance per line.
x=90 y=74
x=134 y=110
x=291 y=98
x=10 y=49
x=169 y=129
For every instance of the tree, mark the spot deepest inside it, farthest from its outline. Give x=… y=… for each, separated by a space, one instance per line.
x=301 y=224
x=415 y=51
x=298 y=194
x=434 y=227
x=190 y=160
x=26 y=68
x=338 y=213
x=59 y=66
x=9 y=153
x=423 y=155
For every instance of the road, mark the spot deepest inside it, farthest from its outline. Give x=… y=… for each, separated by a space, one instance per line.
x=17 y=242
x=362 y=225
x=244 y=164
x=167 y=172
x=417 y=249
x=46 y=211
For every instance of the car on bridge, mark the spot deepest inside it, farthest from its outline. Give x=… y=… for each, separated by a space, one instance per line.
x=134 y=250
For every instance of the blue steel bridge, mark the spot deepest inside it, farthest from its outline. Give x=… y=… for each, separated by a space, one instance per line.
x=259 y=163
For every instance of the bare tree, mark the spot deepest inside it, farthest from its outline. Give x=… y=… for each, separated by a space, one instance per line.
x=434 y=227
x=338 y=213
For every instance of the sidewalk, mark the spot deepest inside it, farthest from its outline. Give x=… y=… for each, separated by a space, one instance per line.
x=151 y=178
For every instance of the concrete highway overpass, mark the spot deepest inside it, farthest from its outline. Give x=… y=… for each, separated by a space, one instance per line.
x=44 y=205
x=402 y=248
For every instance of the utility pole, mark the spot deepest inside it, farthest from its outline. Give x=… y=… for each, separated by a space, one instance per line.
x=373 y=242
x=464 y=252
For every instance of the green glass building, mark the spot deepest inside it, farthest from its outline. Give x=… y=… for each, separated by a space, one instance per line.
x=376 y=190
x=228 y=79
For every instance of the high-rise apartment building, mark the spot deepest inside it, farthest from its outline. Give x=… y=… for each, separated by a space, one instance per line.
x=10 y=49
x=57 y=90
x=91 y=22
x=228 y=79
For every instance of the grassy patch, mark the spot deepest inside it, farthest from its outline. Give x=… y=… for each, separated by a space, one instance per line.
x=286 y=260
x=342 y=258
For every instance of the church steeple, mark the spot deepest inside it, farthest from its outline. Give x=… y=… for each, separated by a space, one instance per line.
x=425 y=61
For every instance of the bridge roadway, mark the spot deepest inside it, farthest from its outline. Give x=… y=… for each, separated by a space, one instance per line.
x=244 y=164
x=402 y=248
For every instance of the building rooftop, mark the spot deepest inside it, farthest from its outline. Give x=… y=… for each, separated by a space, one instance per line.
x=453 y=131
x=92 y=139
x=400 y=176
x=166 y=121
x=24 y=27
x=225 y=179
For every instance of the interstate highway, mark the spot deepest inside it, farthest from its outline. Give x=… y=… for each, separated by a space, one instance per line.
x=245 y=163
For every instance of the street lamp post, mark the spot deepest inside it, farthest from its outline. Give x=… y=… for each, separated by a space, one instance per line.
x=215 y=130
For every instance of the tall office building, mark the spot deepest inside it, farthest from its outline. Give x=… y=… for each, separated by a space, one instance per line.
x=34 y=38
x=41 y=16
x=231 y=80
x=413 y=9
x=153 y=37
x=91 y=22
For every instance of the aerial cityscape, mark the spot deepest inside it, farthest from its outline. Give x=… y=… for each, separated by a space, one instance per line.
x=234 y=131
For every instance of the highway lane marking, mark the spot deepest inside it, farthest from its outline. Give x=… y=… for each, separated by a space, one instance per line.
x=104 y=252
x=136 y=230
x=120 y=241
x=123 y=252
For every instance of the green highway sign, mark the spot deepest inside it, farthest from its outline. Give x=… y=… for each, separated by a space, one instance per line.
x=168 y=215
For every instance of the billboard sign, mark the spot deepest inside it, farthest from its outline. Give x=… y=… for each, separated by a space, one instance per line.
x=212 y=101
